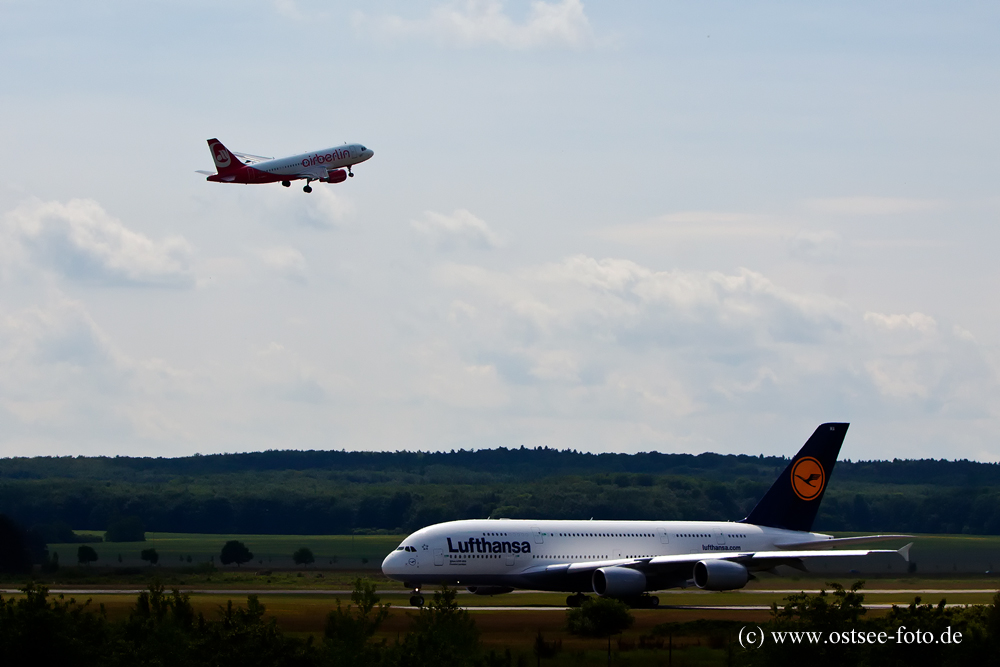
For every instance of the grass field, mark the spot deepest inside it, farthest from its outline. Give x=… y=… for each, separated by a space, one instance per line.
x=932 y=554
x=269 y=551
x=944 y=562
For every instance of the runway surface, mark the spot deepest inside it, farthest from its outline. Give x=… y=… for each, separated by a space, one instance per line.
x=327 y=591
x=664 y=596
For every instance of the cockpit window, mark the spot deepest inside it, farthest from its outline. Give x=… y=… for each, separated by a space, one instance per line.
x=399 y=548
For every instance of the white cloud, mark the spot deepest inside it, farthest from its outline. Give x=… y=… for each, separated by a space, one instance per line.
x=821 y=246
x=693 y=225
x=915 y=321
x=461 y=227
x=326 y=208
x=588 y=336
x=61 y=377
x=80 y=240
x=282 y=372
x=872 y=205
x=285 y=261
x=287 y=8
x=485 y=22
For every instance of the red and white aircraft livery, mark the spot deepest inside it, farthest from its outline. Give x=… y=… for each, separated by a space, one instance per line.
x=326 y=166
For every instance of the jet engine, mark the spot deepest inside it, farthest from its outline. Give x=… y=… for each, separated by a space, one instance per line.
x=489 y=590
x=720 y=575
x=618 y=581
x=335 y=176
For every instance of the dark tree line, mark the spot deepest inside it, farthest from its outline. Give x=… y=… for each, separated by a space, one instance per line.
x=321 y=493
x=163 y=629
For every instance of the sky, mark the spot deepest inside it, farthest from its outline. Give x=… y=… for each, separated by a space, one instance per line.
x=628 y=226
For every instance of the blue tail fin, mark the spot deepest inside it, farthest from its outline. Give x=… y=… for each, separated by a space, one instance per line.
x=794 y=498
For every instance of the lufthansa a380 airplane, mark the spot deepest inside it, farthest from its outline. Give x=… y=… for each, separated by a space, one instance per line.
x=326 y=166
x=626 y=559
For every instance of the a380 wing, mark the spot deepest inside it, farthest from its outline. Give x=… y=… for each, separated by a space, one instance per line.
x=753 y=560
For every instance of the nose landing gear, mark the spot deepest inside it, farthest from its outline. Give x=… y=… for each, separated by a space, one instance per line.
x=349 y=172
x=416 y=599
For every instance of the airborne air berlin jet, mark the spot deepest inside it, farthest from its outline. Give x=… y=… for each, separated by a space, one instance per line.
x=628 y=559
x=326 y=166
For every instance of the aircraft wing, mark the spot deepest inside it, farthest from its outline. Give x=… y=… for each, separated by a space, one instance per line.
x=752 y=560
x=840 y=541
x=247 y=158
x=315 y=173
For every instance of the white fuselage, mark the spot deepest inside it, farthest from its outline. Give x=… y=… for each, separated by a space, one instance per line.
x=520 y=553
x=329 y=158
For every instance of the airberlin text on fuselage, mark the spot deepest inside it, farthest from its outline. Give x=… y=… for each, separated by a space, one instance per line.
x=329 y=157
x=480 y=546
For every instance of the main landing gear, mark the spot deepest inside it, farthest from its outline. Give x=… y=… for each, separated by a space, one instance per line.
x=645 y=602
x=575 y=600
x=287 y=184
x=308 y=188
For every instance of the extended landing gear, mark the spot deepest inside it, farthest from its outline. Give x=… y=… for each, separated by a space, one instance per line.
x=575 y=600
x=308 y=188
x=287 y=184
x=644 y=602
x=350 y=173
x=416 y=600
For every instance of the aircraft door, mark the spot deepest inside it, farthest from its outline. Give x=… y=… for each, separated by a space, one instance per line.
x=664 y=537
x=539 y=535
x=722 y=538
x=510 y=559
x=439 y=556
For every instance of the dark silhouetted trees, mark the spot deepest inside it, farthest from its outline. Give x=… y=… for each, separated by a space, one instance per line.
x=303 y=556
x=235 y=551
x=15 y=551
x=85 y=554
x=600 y=617
x=125 y=529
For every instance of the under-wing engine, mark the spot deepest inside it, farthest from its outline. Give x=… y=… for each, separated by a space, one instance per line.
x=720 y=575
x=335 y=176
x=618 y=581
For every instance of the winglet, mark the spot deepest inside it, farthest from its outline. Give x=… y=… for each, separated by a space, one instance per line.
x=904 y=551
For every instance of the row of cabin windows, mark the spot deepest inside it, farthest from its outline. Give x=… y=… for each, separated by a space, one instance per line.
x=606 y=535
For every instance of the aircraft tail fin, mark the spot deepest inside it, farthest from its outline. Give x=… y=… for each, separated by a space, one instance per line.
x=793 y=500
x=225 y=161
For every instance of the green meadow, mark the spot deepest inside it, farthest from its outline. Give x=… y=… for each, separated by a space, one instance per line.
x=269 y=551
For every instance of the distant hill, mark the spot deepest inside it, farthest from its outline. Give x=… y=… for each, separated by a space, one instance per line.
x=329 y=492
x=521 y=463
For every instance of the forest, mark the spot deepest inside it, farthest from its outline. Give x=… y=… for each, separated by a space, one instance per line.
x=340 y=492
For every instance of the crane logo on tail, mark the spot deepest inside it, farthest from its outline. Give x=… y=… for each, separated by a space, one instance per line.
x=808 y=478
x=221 y=155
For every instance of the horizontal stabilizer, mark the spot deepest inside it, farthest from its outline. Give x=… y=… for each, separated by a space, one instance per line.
x=202 y=171
x=904 y=551
x=841 y=541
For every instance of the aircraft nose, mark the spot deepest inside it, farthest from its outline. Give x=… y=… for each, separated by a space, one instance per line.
x=387 y=565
